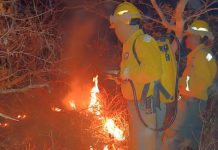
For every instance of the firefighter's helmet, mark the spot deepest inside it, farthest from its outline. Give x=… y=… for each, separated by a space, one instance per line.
x=201 y=28
x=126 y=13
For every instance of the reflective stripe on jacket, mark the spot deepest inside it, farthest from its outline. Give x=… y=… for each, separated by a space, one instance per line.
x=199 y=73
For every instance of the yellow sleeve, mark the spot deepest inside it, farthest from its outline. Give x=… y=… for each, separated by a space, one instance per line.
x=148 y=53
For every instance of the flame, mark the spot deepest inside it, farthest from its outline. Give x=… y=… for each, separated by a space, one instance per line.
x=56 y=109
x=72 y=105
x=106 y=147
x=91 y=148
x=94 y=105
x=111 y=128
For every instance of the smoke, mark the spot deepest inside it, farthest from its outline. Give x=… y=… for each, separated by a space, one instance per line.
x=80 y=60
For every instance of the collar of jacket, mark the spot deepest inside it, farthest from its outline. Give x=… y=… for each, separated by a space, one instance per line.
x=136 y=34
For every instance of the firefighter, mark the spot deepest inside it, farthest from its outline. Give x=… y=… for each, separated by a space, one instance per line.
x=197 y=77
x=142 y=65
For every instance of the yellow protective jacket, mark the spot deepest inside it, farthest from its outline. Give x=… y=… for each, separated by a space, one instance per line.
x=199 y=73
x=148 y=71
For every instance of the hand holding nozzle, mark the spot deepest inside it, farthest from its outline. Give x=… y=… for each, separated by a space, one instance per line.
x=113 y=72
x=113 y=75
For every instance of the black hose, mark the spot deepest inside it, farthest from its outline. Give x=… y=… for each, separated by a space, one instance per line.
x=138 y=111
x=173 y=107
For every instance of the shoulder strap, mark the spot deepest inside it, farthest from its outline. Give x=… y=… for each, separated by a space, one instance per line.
x=134 y=52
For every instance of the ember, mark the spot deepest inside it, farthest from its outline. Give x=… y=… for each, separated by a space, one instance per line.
x=3 y=125
x=56 y=109
x=21 y=117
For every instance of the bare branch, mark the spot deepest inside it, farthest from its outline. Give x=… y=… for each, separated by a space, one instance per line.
x=7 y=117
x=205 y=9
x=154 y=20
x=163 y=18
x=179 y=17
x=21 y=90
